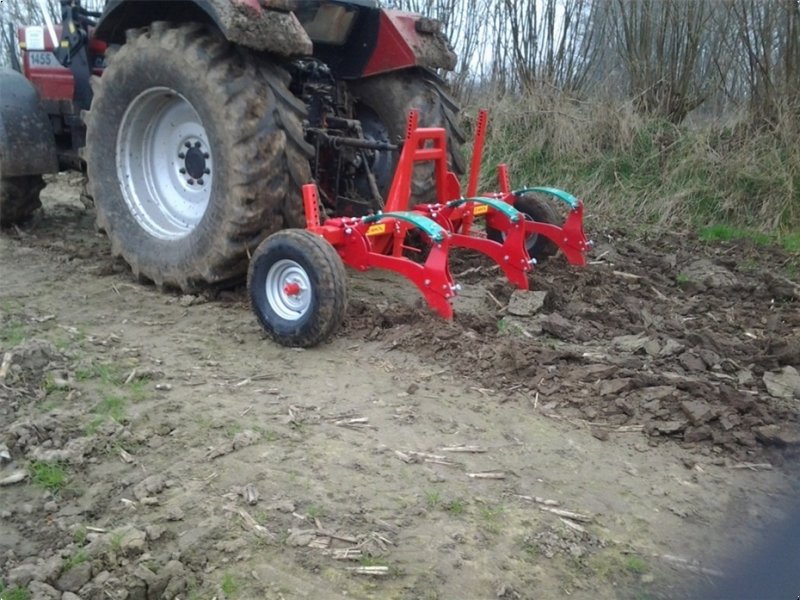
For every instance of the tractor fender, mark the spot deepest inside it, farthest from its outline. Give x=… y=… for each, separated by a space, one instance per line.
x=243 y=22
x=27 y=142
x=384 y=40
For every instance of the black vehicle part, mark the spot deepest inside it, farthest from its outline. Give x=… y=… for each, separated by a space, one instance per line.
x=195 y=153
x=535 y=209
x=27 y=148
x=27 y=144
x=19 y=198
x=297 y=287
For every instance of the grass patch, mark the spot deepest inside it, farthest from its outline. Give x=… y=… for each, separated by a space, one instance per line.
x=432 y=499
x=637 y=564
x=643 y=170
x=456 y=507
x=76 y=559
x=491 y=517
x=315 y=512
x=726 y=233
x=80 y=535
x=229 y=585
x=107 y=374
x=115 y=542
x=51 y=476
x=12 y=334
x=15 y=593
x=111 y=407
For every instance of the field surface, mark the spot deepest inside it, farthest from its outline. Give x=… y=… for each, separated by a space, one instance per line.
x=622 y=432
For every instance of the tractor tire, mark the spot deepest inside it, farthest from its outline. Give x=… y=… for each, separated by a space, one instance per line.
x=298 y=288
x=19 y=198
x=383 y=103
x=534 y=209
x=195 y=153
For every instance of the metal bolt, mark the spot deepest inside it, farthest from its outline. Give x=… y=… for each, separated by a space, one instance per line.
x=182 y=171
x=505 y=258
x=188 y=144
x=190 y=182
x=206 y=155
x=181 y=155
x=348 y=231
x=457 y=287
x=199 y=182
x=207 y=171
x=198 y=145
x=427 y=283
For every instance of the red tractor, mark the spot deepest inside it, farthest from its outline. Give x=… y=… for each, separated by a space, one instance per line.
x=199 y=121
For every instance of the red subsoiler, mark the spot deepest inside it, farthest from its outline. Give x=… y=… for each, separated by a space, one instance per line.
x=296 y=280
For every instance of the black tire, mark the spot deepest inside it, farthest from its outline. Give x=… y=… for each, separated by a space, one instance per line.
x=390 y=97
x=313 y=318
x=536 y=209
x=253 y=126
x=19 y=198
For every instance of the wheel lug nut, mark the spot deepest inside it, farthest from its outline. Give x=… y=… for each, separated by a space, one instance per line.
x=207 y=171
x=190 y=182
x=206 y=155
x=182 y=171
x=181 y=155
x=199 y=182
x=188 y=144
x=198 y=145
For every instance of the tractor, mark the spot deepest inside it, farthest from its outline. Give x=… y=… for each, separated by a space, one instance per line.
x=198 y=121
x=208 y=127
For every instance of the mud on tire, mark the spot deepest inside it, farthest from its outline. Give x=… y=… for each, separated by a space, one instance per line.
x=297 y=287
x=19 y=198
x=389 y=98
x=195 y=153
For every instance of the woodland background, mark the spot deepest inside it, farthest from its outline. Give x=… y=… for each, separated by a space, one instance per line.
x=656 y=112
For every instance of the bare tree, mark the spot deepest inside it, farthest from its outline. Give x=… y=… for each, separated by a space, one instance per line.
x=671 y=53
x=768 y=47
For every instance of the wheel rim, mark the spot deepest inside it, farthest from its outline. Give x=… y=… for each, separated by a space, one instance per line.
x=164 y=163
x=530 y=239
x=288 y=290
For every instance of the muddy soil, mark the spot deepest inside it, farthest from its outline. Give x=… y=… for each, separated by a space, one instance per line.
x=621 y=432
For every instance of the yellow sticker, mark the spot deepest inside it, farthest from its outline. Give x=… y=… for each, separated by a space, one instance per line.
x=378 y=229
x=480 y=209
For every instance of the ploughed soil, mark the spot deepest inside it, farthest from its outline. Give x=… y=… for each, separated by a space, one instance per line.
x=624 y=430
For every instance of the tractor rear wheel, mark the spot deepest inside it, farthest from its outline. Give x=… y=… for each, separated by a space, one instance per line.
x=195 y=154
x=382 y=105
x=19 y=197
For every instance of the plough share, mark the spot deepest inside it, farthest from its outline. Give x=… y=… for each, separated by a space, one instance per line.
x=296 y=280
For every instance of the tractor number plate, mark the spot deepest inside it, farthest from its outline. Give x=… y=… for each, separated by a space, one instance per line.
x=378 y=229
x=43 y=60
x=480 y=209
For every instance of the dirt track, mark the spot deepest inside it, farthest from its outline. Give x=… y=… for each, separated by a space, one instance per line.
x=652 y=393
